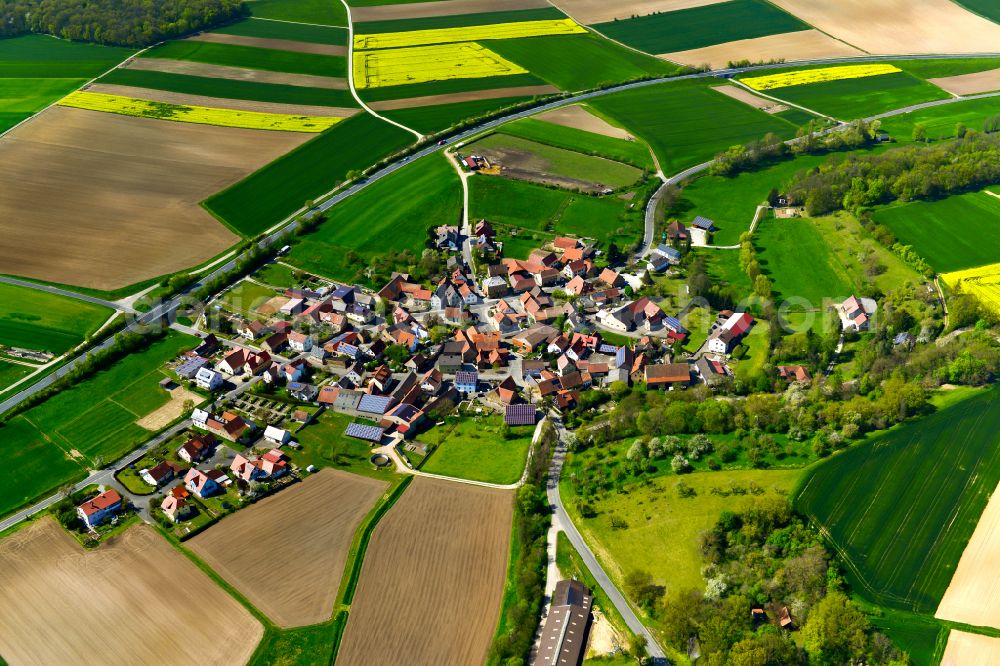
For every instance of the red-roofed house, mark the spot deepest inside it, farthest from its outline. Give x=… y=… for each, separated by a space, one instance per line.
x=100 y=509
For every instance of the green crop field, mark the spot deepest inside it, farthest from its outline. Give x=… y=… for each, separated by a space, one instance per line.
x=458 y=20
x=799 y=262
x=431 y=119
x=551 y=160
x=932 y=69
x=475 y=448
x=322 y=12
x=251 y=57
x=987 y=8
x=635 y=153
x=901 y=507
x=267 y=196
x=958 y=232
x=579 y=62
x=940 y=121
x=450 y=86
x=686 y=122
x=12 y=372
x=46 y=322
x=54 y=442
x=512 y=203
x=249 y=90
x=21 y=98
x=394 y=213
x=694 y=28
x=296 y=32
x=848 y=99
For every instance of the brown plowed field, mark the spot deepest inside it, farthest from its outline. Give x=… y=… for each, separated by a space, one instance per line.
x=266 y=43
x=103 y=201
x=134 y=600
x=601 y=11
x=287 y=552
x=966 y=649
x=791 y=46
x=899 y=26
x=235 y=73
x=470 y=96
x=433 y=578
x=220 y=102
x=412 y=10
x=970 y=84
x=578 y=117
x=750 y=99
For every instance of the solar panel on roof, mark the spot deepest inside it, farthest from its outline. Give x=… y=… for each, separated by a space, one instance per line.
x=374 y=404
x=367 y=432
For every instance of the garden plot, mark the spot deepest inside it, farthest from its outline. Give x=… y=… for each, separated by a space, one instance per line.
x=287 y=552
x=896 y=26
x=114 y=200
x=789 y=46
x=133 y=600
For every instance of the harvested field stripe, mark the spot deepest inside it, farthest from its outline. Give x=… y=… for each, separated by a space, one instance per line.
x=819 y=75
x=205 y=69
x=199 y=115
x=420 y=64
x=273 y=44
x=453 y=98
x=183 y=99
x=466 y=34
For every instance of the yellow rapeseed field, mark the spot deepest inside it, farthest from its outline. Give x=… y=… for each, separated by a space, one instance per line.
x=419 y=64
x=982 y=282
x=200 y=115
x=387 y=40
x=821 y=75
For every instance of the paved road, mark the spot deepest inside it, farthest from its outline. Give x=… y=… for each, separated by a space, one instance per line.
x=65 y=292
x=617 y=598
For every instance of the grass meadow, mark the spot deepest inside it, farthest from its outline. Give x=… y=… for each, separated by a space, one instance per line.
x=392 y=214
x=665 y=32
x=250 y=57
x=11 y=372
x=635 y=153
x=296 y=32
x=958 y=232
x=268 y=195
x=901 y=507
x=475 y=448
x=431 y=119
x=248 y=90
x=38 y=320
x=579 y=62
x=321 y=12
x=686 y=122
x=55 y=442
x=848 y=99
x=794 y=254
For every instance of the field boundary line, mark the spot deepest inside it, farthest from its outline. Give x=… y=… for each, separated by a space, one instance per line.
x=350 y=77
x=760 y=93
x=316 y=25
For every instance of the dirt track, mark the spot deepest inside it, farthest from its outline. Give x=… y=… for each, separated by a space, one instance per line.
x=601 y=11
x=899 y=26
x=470 y=96
x=220 y=102
x=277 y=44
x=578 y=117
x=409 y=10
x=104 y=201
x=433 y=577
x=801 y=45
x=973 y=596
x=236 y=73
x=966 y=649
x=133 y=600
x=287 y=552
x=970 y=84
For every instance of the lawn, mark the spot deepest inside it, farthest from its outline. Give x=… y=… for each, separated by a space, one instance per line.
x=322 y=12
x=46 y=322
x=560 y=161
x=848 y=99
x=958 y=232
x=325 y=445
x=90 y=424
x=248 y=90
x=901 y=507
x=579 y=62
x=439 y=117
x=635 y=153
x=245 y=297
x=796 y=257
x=296 y=32
x=267 y=196
x=457 y=20
x=686 y=122
x=392 y=214
x=475 y=447
x=658 y=531
x=665 y=32
x=232 y=55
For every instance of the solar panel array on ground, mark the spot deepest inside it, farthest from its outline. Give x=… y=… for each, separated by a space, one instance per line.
x=362 y=431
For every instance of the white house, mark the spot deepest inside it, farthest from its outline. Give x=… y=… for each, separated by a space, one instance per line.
x=208 y=379
x=299 y=342
x=200 y=417
x=277 y=435
x=730 y=333
x=99 y=509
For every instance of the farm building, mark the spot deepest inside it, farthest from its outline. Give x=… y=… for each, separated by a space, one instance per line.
x=730 y=333
x=564 y=635
x=369 y=433
x=667 y=375
x=703 y=223
x=519 y=415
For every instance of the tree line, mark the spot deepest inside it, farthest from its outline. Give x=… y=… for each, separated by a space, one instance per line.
x=115 y=22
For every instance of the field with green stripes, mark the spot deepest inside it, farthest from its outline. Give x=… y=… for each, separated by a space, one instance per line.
x=900 y=507
x=251 y=57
